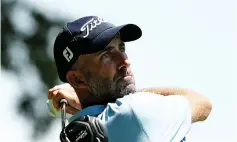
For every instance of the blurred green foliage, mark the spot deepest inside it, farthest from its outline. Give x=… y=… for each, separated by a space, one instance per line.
x=39 y=49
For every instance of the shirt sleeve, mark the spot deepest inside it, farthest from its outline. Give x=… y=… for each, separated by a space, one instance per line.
x=145 y=116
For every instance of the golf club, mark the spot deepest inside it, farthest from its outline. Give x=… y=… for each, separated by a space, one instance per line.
x=63 y=103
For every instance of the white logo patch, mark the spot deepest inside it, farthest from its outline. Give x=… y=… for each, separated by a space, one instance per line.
x=82 y=134
x=90 y=25
x=67 y=53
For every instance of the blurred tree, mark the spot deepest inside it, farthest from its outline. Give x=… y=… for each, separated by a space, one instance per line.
x=38 y=47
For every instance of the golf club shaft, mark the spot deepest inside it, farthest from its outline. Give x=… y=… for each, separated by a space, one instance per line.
x=63 y=103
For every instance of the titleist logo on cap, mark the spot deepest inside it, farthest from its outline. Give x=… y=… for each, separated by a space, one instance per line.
x=90 y=25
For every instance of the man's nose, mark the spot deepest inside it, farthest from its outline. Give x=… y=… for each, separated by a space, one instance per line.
x=123 y=61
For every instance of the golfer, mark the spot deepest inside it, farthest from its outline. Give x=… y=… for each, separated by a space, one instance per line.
x=90 y=55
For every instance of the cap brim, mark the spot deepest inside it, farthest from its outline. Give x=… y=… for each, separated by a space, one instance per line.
x=128 y=32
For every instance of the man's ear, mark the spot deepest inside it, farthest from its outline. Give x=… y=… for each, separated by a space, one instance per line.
x=76 y=79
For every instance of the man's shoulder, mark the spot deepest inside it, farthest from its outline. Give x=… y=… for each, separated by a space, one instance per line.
x=140 y=107
x=143 y=114
x=129 y=103
x=140 y=102
x=138 y=96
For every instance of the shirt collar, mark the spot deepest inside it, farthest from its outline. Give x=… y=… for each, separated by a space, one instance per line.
x=91 y=110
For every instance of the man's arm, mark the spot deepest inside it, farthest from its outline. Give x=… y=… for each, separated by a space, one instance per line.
x=200 y=105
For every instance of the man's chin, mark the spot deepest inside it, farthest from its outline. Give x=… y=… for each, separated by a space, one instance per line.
x=119 y=93
x=130 y=88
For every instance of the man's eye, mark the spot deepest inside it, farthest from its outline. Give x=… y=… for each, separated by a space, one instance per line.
x=122 y=48
x=105 y=55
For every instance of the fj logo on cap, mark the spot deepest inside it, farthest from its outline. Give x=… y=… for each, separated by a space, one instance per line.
x=67 y=53
x=90 y=25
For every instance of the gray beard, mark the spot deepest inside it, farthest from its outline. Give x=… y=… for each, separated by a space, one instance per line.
x=105 y=90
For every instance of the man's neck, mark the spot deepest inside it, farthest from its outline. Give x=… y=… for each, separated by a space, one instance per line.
x=91 y=100
x=87 y=99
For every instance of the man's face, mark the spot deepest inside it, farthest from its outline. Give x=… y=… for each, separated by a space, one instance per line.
x=107 y=72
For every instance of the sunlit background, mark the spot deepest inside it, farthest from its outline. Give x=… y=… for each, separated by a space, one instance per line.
x=185 y=43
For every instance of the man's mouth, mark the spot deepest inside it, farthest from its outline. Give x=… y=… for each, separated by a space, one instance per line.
x=126 y=77
x=126 y=80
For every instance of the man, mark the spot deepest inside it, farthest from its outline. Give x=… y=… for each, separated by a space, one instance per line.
x=90 y=55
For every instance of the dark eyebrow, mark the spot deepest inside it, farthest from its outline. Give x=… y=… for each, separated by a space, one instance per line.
x=107 y=48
